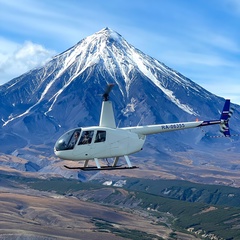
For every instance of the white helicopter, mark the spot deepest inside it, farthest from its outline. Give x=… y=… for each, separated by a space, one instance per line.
x=108 y=141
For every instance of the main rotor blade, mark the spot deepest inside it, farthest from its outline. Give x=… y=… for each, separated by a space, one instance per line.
x=107 y=91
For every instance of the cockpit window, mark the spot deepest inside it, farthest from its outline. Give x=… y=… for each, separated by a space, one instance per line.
x=86 y=137
x=100 y=136
x=74 y=139
x=68 y=140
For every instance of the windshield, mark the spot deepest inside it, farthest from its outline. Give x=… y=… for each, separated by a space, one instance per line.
x=68 y=140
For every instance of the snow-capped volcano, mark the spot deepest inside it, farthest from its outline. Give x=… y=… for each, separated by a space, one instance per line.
x=113 y=54
x=38 y=106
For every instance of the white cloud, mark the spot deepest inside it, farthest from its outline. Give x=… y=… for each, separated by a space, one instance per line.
x=16 y=59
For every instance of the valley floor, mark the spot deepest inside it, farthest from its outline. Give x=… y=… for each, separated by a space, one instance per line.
x=26 y=213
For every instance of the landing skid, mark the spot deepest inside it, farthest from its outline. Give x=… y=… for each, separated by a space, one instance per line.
x=102 y=168
x=114 y=166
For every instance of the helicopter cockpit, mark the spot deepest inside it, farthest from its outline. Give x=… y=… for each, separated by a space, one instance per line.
x=68 y=140
x=78 y=136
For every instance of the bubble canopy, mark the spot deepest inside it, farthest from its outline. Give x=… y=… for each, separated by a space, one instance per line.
x=68 y=140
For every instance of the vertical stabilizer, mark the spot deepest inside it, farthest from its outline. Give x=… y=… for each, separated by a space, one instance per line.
x=107 y=116
x=226 y=114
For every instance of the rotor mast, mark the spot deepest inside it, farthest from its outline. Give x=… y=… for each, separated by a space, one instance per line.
x=107 y=118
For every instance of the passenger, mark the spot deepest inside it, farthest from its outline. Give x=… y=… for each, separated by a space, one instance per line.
x=85 y=138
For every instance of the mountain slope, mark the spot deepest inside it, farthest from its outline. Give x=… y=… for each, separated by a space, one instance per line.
x=37 y=107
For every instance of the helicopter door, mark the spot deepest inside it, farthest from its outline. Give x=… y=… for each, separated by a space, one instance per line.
x=84 y=144
x=100 y=147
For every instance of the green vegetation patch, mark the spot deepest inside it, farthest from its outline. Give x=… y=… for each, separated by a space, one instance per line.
x=219 y=217
x=187 y=191
x=61 y=185
x=106 y=226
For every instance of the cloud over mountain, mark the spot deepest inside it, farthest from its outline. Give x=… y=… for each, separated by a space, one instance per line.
x=16 y=59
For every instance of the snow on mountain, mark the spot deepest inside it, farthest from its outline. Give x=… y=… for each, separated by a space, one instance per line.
x=37 y=107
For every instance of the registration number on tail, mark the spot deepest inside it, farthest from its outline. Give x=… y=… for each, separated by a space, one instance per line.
x=173 y=126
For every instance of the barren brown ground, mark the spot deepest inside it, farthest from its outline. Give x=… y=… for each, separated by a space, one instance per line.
x=59 y=217
x=29 y=214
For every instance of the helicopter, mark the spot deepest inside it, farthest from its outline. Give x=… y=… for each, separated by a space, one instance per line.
x=108 y=141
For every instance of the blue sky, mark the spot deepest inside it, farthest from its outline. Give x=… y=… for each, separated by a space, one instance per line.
x=198 y=38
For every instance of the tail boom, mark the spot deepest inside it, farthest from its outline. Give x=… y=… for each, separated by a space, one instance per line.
x=153 y=129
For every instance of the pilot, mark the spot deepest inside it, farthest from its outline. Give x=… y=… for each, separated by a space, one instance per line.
x=76 y=135
x=74 y=140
